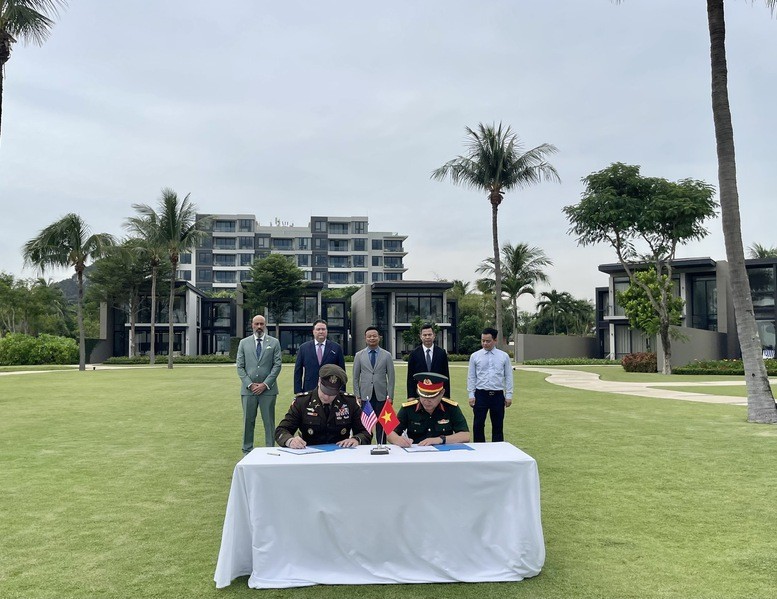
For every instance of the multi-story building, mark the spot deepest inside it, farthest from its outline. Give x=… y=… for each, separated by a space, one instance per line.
x=709 y=325
x=336 y=251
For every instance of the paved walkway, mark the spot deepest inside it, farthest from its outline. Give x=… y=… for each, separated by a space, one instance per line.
x=589 y=381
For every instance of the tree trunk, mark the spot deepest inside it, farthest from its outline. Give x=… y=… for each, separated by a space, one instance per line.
x=760 y=401
x=515 y=330
x=170 y=321
x=151 y=351
x=80 y=313
x=666 y=347
x=5 y=54
x=497 y=275
x=133 y=308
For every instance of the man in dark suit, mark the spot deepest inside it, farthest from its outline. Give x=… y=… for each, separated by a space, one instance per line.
x=427 y=357
x=312 y=355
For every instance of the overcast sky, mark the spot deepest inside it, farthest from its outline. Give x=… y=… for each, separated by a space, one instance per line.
x=292 y=109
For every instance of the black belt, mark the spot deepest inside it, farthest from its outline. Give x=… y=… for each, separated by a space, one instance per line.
x=489 y=391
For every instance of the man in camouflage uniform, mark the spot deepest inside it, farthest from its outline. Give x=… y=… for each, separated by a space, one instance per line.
x=431 y=419
x=324 y=415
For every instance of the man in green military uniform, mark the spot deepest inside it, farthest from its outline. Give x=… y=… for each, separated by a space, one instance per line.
x=324 y=415
x=431 y=419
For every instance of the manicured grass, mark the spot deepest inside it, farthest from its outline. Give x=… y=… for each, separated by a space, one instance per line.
x=728 y=390
x=114 y=484
x=616 y=373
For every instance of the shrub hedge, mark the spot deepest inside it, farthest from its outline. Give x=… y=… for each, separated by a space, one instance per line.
x=714 y=367
x=19 y=349
x=640 y=362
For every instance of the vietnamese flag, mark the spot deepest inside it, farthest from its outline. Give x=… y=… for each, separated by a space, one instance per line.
x=388 y=418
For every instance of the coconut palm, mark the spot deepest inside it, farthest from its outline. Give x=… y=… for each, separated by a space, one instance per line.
x=460 y=288
x=176 y=228
x=26 y=21
x=146 y=227
x=495 y=163
x=556 y=305
x=523 y=269
x=64 y=243
x=761 y=251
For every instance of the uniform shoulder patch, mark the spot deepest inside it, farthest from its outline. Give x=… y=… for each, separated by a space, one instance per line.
x=412 y=402
x=348 y=395
x=302 y=393
x=450 y=401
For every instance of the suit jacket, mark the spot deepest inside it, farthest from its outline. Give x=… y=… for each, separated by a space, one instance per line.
x=265 y=370
x=373 y=383
x=416 y=362
x=307 y=361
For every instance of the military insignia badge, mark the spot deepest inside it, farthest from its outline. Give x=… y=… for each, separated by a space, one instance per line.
x=310 y=431
x=342 y=432
x=443 y=421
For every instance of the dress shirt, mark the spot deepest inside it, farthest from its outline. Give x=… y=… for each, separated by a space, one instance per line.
x=491 y=371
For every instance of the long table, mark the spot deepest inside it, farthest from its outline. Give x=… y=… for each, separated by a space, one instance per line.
x=348 y=517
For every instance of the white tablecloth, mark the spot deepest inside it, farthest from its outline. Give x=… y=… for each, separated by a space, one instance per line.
x=348 y=517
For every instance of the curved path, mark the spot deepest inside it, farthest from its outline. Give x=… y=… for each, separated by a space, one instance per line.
x=589 y=381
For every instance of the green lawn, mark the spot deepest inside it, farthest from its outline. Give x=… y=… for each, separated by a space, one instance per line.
x=114 y=484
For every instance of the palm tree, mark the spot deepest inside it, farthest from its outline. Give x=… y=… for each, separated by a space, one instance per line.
x=555 y=304
x=176 y=228
x=523 y=269
x=460 y=288
x=760 y=401
x=64 y=243
x=146 y=227
x=761 y=251
x=495 y=164
x=25 y=20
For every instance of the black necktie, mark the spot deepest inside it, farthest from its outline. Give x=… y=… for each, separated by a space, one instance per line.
x=258 y=348
x=372 y=358
x=429 y=360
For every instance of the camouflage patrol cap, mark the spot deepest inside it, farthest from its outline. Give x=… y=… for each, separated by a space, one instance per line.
x=332 y=378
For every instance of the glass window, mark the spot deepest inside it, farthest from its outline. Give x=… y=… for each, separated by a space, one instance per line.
x=183 y=275
x=223 y=276
x=762 y=286
x=338 y=245
x=320 y=260
x=282 y=244
x=338 y=278
x=319 y=243
x=319 y=225
x=619 y=286
x=377 y=277
x=360 y=227
x=224 y=226
x=360 y=245
x=204 y=274
x=204 y=258
x=246 y=243
x=246 y=224
x=704 y=303
x=392 y=262
x=380 y=311
x=303 y=243
x=221 y=315
x=246 y=259
x=358 y=261
x=359 y=277
x=377 y=260
x=263 y=242
x=335 y=314
x=338 y=262
x=245 y=275
x=224 y=243
x=392 y=245
x=185 y=258
x=224 y=259
x=303 y=259
x=338 y=228
x=377 y=244
x=393 y=276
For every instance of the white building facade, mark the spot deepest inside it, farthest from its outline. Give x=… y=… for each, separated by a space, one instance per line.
x=337 y=251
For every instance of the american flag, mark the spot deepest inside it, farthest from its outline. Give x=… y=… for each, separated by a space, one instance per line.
x=369 y=419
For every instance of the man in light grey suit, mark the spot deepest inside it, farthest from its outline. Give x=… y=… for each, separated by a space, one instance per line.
x=258 y=366
x=373 y=376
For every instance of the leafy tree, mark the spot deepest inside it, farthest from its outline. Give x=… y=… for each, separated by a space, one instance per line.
x=581 y=318
x=636 y=304
x=68 y=242
x=471 y=323
x=495 y=163
x=761 y=251
x=622 y=208
x=276 y=284
x=460 y=289
x=523 y=269
x=118 y=278
x=175 y=228
x=27 y=20
x=413 y=334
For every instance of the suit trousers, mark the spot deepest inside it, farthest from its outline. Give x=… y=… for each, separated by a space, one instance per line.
x=266 y=406
x=488 y=401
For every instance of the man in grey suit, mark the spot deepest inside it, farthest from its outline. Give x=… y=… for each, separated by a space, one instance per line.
x=373 y=376
x=258 y=366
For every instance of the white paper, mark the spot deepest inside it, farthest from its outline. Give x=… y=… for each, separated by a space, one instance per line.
x=420 y=448
x=301 y=451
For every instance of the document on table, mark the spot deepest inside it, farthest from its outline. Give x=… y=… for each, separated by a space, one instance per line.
x=420 y=448
x=301 y=451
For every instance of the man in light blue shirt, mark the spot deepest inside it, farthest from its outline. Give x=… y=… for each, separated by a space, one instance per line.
x=490 y=387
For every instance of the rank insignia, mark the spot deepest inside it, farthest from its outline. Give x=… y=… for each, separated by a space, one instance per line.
x=310 y=431
x=443 y=421
x=344 y=431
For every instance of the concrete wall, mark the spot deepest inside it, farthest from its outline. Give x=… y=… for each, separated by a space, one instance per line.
x=537 y=347
x=699 y=344
x=361 y=317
